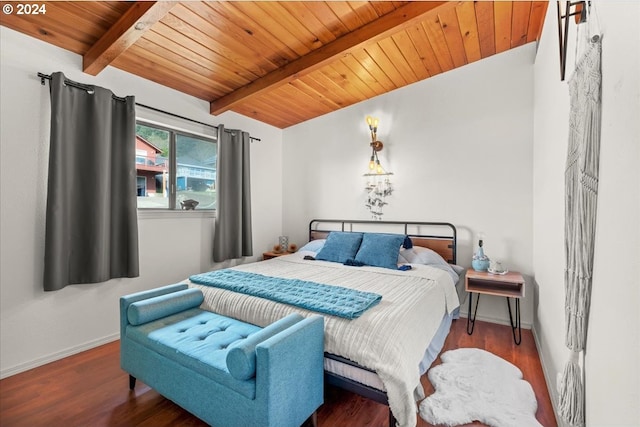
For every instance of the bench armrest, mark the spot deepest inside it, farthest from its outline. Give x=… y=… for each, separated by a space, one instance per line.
x=241 y=358
x=290 y=370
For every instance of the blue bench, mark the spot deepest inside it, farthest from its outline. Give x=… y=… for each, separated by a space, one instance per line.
x=224 y=371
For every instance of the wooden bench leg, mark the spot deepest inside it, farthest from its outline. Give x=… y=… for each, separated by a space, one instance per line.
x=312 y=421
x=132 y=382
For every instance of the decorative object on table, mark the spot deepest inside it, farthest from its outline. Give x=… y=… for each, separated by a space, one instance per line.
x=277 y=249
x=480 y=261
x=292 y=247
x=475 y=385
x=496 y=267
x=284 y=243
x=378 y=185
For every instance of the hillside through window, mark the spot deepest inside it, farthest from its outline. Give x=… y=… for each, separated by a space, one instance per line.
x=175 y=170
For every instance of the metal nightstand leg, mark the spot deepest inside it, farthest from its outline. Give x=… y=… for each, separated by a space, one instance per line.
x=517 y=340
x=472 y=321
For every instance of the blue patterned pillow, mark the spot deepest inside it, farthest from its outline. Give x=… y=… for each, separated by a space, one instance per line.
x=380 y=250
x=340 y=246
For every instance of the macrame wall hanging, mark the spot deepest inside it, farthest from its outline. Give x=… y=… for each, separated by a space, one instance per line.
x=581 y=194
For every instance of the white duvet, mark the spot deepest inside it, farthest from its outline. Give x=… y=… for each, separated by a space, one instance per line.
x=389 y=338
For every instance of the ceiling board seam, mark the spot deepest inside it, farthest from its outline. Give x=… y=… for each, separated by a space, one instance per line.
x=231 y=32
x=227 y=53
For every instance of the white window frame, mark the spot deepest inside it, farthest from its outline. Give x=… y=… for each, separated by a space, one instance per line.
x=172 y=210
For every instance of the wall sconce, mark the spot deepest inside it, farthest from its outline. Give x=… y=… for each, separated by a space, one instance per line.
x=564 y=12
x=378 y=185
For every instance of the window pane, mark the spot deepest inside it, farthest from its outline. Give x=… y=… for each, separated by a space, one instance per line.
x=195 y=173
x=152 y=167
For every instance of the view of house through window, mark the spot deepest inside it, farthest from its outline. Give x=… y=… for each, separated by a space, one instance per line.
x=175 y=170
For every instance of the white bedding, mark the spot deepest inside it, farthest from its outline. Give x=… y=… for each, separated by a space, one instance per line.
x=389 y=338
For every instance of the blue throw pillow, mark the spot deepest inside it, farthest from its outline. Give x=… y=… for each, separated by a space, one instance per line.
x=380 y=250
x=340 y=246
x=150 y=309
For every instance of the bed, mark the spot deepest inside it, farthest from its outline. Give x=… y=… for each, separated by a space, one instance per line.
x=382 y=353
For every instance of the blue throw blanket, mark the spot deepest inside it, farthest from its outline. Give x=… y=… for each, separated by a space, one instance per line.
x=328 y=299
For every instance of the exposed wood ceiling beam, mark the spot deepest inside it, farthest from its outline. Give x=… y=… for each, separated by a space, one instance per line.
x=125 y=32
x=379 y=29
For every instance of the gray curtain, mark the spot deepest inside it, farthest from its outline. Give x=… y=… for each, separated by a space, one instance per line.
x=581 y=196
x=232 y=238
x=91 y=218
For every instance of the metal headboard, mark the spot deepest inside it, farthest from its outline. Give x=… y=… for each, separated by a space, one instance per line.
x=440 y=237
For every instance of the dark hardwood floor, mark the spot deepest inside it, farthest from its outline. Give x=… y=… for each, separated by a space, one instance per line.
x=90 y=389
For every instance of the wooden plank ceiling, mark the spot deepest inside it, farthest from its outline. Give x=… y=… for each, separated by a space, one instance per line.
x=282 y=62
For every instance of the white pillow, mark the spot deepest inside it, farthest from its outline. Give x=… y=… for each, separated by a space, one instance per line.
x=420 y=255
x=457 y=268
x=426 y=256
x=313 y=246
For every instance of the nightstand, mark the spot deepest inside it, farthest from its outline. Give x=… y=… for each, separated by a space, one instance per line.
x=509 y=285
x=271 y=254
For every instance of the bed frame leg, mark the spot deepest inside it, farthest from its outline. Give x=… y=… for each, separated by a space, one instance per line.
x=132 y=382
x=392 y=419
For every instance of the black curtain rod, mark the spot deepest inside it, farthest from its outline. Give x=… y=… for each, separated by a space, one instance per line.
x=44 y=77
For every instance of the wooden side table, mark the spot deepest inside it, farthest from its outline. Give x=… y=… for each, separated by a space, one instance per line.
x=510 y=285
x=271 y=254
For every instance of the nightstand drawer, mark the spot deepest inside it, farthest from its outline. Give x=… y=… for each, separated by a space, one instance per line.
x=506 y=285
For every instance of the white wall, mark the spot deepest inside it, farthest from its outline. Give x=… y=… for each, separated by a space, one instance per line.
x=460 y=147
x=37 y=327
x=613 y=352
x=482 y=147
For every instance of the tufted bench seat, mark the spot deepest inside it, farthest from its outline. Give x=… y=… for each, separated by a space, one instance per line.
x=225 y=371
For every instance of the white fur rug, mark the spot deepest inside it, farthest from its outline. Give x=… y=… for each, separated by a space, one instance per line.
x=475 y=385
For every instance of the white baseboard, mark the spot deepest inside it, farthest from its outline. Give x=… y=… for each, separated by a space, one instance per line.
x=497 y=320
x=22 y=367
x=549 y=378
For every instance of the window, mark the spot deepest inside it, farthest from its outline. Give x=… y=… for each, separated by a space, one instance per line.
x=175 y=169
